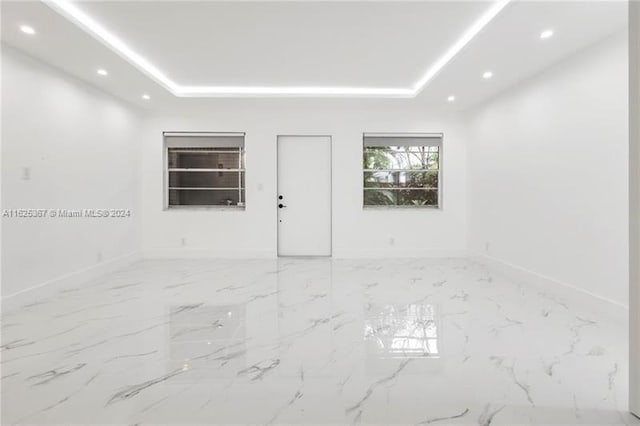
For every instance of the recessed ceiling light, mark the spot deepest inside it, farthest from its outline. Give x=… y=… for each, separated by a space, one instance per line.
x=469 y=35
x=102 y=71
x=451 y=98
x=546 y=34
x=27 y=29
x=146 y=97
x=487 y=75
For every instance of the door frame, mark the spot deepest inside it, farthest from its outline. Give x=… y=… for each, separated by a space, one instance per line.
x=304 y=135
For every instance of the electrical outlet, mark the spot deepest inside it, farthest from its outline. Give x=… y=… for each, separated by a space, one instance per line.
x=26 y=173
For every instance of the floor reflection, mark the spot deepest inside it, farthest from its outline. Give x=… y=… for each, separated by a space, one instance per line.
x=409 y=331
x=203 y=333
x=309 y=341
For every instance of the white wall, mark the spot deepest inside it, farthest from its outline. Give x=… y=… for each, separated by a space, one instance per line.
x=80 y=148
x=634 y=207
x=356 y=232
x=548 y=173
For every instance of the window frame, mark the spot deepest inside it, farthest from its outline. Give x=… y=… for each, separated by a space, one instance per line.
x=437 y=140
x=166 y=145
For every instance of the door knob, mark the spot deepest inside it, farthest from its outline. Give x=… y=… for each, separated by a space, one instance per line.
x=281 y=206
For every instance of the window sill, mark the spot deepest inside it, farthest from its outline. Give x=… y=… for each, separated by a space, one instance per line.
x=204 y=208
x=401 y=207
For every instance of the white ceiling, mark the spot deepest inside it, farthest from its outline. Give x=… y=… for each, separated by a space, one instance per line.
x=289 y=44
x=355 y=44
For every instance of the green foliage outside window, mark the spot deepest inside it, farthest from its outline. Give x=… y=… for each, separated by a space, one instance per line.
x=401 y=175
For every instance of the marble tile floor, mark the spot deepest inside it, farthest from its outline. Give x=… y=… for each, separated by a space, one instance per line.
x=311 y=341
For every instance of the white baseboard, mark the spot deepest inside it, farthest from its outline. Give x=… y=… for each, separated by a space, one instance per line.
x=397 y=254
x=559 y=288
x=75 y=278
x=520 y=274
x=189 y=253
x=208 y=253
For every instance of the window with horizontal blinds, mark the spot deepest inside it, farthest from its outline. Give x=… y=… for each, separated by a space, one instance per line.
x=402 y=169
x=205 y=169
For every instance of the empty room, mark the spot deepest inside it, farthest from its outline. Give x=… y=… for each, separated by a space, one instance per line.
x=320 y=212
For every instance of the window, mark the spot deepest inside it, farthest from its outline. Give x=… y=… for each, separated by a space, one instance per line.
x=204 y=169
x=402 y=170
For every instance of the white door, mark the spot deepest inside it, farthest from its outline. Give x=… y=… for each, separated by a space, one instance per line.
x=304 y=196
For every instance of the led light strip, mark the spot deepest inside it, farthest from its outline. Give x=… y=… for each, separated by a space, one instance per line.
x=320 y=91
x=469 y=35
x=90 y=26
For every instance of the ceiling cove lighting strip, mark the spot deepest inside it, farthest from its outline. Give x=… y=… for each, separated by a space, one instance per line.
x=71 y=12
x=469 y=35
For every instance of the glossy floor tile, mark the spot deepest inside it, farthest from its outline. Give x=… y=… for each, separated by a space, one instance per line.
x=311 y=341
